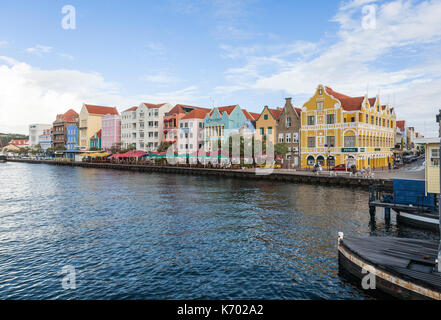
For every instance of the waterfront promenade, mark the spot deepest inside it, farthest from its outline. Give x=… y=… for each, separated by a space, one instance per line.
x=342 y=179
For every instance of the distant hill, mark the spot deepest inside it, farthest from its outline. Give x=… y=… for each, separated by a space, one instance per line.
x=6 y=137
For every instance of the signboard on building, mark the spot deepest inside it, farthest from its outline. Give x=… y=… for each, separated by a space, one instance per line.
x=349 y=149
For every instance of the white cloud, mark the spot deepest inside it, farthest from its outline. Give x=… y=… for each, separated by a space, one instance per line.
x=4 y=43
x=32 y=95
x=359 y=58
x=160 y=78
x=39 y=50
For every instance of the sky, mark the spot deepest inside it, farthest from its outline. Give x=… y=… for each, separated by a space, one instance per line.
x=216 y=52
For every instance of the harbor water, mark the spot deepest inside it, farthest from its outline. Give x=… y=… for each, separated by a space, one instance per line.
x=129 y=235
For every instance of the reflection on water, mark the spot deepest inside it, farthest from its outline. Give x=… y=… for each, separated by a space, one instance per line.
x=163 y=236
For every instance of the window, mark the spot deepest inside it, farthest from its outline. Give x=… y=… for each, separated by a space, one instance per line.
x=320 y=105
x=372 y=119
x=352 y=119
x=434 y=157
x=288 y=138
x=288 y=122
x=330 y=141
x=330 y=119
x=311 y=142
x=265 y=117
x=270 y=130
x=262 y=131
x=349 y=141
x=311 y=120
x=281 y=135
x=295 y=137
x=320 y=91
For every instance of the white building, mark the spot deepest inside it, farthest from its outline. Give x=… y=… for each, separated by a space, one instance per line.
x=191 y=131
x=150 y=125
x=129 y=124
x=35 y=131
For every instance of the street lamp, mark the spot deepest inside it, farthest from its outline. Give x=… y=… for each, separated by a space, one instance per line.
x=438 y=119
x=328 y=154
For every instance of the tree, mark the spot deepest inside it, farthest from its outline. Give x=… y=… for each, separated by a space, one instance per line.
x=116 y=148
x=281 y=149
x=164 y=146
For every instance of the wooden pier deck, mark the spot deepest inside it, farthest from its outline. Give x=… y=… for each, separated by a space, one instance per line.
x=276 y=175
x=403 y=268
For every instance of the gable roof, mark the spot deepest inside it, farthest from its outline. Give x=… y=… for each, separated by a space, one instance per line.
x=196 y=114
x=153 y=106
x=227 y=109
x=276 y=113
x=349 y=103
x=131 y=109
x=69 y=115
x=250 y=115
x=401 y=124
x=100 y=109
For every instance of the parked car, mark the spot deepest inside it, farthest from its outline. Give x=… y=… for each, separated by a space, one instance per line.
x=340 y=167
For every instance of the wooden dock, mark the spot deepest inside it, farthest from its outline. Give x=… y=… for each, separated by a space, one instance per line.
x=294 y=177
x=402 y=268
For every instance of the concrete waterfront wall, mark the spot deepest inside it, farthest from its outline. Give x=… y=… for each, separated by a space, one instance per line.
x=293 y=177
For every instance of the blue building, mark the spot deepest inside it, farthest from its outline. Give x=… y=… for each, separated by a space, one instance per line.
x=221 y=122
x=72 y=138
x=46 y=139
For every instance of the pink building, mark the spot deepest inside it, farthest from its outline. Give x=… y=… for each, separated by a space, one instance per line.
x=111 y=131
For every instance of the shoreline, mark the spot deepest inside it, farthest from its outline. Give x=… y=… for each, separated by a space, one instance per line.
x=293 y=177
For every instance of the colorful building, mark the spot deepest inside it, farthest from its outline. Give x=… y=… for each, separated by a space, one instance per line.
x=72 y=138
x=90 y=121
x=172 y=122
x=110 y=131
x=288 y=131
x=36 y=130
x=191 y=131
x=431 y=146
x=129 y=128
x=221 y=122
x=60 y=125
x=266 y=125
x=45 y=140
x=150 y=126
x=95 y=140
x=338 y=129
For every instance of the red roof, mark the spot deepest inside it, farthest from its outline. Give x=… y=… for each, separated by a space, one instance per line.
x=153 y=106
x=131 y=109
x=196 y=114
x=249 y=116
x=401 y=124
x=19 y=142
x=100 y=110
x=68 y=116
x=227 y=109
x=349 y=103
x=298 y=110
x=276 y=113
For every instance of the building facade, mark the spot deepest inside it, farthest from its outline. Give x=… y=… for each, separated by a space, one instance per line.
x=45 y=140
x=172 y=123
x=266 y=125
x=150 y=127
x=35 y=131
x=431 y=146
x=60 y=125
x=95 y=141
x=338 y=129
x=72 y=138
x=90 y=121
x=288 y=131
x=191 y=131
x=129 y=128
x=110 y=131
x=221 y=122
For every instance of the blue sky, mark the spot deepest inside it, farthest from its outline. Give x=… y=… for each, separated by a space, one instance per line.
x=207 y=52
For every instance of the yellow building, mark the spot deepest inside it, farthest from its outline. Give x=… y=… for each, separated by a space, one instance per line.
x=338 y=129
x=431 y=146
x=90 y=122
x=266 y=125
